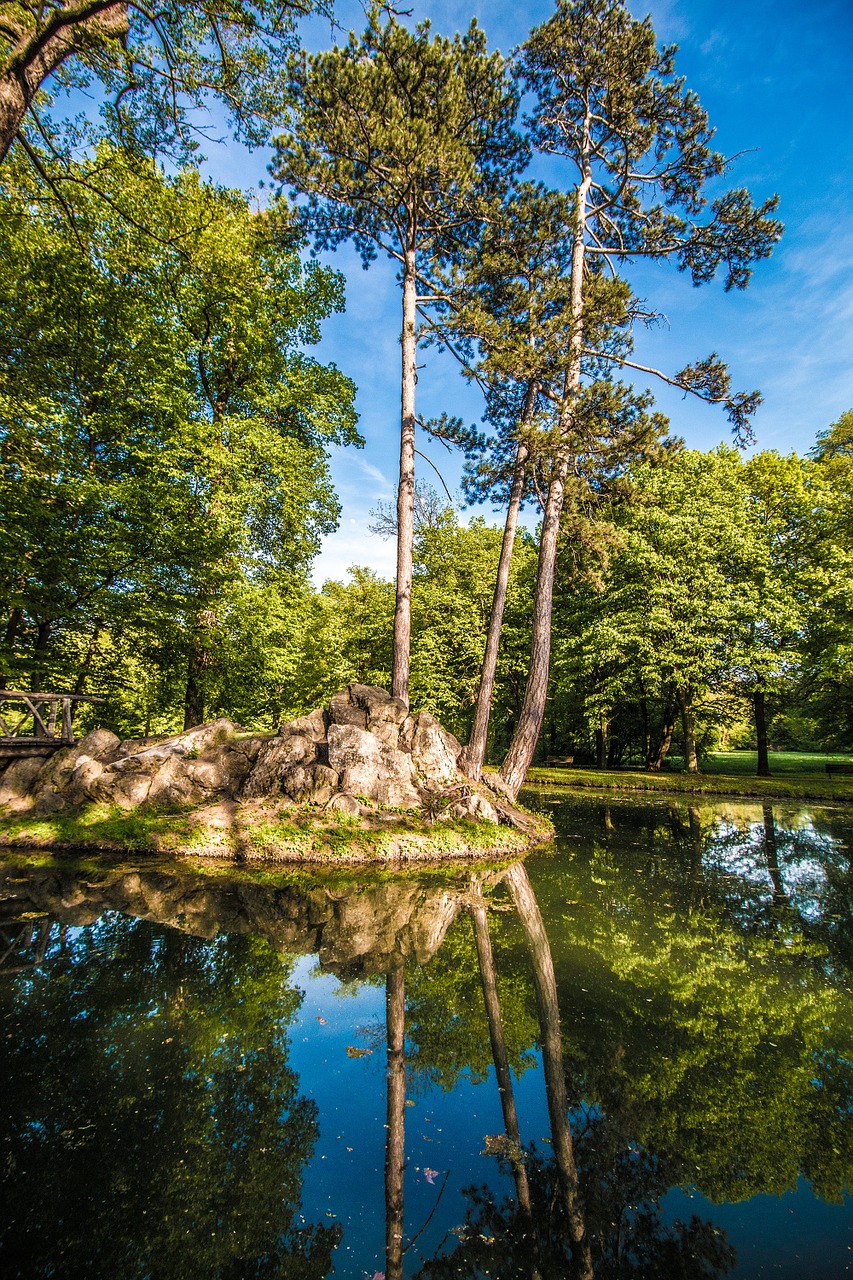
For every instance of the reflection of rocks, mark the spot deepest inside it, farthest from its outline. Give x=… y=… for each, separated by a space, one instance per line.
x=354 y=928
x=366 y=748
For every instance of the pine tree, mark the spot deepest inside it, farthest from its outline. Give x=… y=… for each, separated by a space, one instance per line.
x=639 y=147
x=394 y=137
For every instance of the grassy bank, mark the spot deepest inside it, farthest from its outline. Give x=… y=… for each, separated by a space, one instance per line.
x=248 y=833
x=796 y=775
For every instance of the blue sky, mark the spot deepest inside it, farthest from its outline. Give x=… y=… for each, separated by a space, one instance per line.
x=775 y=79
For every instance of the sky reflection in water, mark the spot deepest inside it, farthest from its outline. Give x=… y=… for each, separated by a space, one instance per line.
x=274 y=1075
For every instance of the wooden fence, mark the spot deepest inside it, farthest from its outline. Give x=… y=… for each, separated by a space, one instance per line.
x=36 y=723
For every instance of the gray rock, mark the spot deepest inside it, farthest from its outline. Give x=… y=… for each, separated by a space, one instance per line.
x=18 y=780
x=97 y=744
x=342 y=710
x=434 y=750
x=57 y=772
x=276 y=757
x=312 y=726
x=344 y=803
x=84 y=775
x=371 y=768
x=369 y=708
x=474 y=807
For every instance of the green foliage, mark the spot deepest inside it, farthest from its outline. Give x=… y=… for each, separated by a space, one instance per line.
x=153 y=71
x=163 y=430
x=392 y=136
x=152 y=1123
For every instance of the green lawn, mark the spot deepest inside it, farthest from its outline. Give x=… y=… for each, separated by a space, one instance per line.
x=783 y=763
x=796 y=775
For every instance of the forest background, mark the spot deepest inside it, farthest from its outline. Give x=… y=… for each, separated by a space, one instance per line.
x=167 y=566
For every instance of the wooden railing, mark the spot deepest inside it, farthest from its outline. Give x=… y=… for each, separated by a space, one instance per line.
x=47 y=716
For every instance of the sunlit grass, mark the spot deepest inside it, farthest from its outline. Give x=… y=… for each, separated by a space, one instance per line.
x=795 y=775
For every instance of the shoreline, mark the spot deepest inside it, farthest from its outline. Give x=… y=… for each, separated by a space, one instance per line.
x=288 y=836
x=724 y=785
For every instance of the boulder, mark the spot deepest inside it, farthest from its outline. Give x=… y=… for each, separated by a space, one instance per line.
x=344 y=803
x=172 y=784
x=369 y=708
x=311 y=726
x=84 y=776
x=18 y=780
x=342 y=710
x=474 y=807
x=434 y=750
x=371 y=768
x=276 y=757
x=56 y=773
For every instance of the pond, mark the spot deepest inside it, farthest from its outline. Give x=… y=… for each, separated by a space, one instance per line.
x=630 y=1056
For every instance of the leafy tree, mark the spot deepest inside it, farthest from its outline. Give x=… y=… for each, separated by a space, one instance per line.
x=826 y=541
x=162 y=428
x=772 y=606
x=393 y=137
x=155 y=69
x=639 y=148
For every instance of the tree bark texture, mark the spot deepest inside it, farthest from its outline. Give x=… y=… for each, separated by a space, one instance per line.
x=552 y=1062
x=523 y=745
x=656 y=757
x=688 y=729
x=73 y=27
x=406 y=485
x=771 y=854
x=395 y=1152
x=472 y=756
x=760 y=711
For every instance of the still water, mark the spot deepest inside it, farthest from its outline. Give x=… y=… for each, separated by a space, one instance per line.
x=631 y=1056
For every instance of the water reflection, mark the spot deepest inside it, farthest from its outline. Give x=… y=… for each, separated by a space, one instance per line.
x=680 y=973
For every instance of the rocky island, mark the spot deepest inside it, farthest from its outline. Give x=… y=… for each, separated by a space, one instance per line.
x=361 y=780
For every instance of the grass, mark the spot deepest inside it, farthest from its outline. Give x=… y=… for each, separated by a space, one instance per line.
x=302 y=834
x=796 y=775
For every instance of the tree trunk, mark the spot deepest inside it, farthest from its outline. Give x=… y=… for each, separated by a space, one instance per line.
x=523 y=745
x=601 y=744
x=552 y=1062
x=758 y=703
x=42 y=48
x=42 y=640
x=688 y=729
x=194 y=693
x=406 y=485
x=654 y=760
x=488 y=981
x=472 y=756
x=395 y=1154
x=697 y=871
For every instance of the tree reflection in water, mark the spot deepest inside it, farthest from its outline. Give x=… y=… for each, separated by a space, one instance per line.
x=682 y=973
x=152 y=1125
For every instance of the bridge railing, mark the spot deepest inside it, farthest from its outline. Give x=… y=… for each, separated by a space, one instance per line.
x=31 y=723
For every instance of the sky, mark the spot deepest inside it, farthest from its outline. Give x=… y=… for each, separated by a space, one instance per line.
x=775 y=79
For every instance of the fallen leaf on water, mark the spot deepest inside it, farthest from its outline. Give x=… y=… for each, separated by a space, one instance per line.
x=431 y=1175
x=322 y=1021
